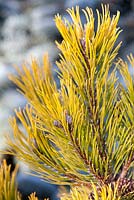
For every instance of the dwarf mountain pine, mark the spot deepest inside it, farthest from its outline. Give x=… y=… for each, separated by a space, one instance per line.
x=82 y=134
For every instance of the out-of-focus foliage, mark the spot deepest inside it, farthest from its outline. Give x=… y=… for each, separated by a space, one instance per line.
x=105 y=193
x=83 y=133
x=34 y=197
x=8 y=189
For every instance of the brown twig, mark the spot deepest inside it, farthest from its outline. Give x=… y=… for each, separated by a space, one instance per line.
x=126 y=168
x=84 y=158
x=95 y=121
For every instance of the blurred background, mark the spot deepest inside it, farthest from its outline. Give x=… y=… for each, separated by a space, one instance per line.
x=27 y=30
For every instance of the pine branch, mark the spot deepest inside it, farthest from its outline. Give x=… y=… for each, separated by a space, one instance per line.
x=82 y=133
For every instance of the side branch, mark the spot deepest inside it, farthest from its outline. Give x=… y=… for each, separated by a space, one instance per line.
x=126 y=168
x=82 y=155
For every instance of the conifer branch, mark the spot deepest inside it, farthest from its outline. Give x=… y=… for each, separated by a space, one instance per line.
x=82 y=133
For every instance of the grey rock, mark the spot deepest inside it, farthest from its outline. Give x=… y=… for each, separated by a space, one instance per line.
x=4 y=114
x=123 y=6
x=4 y=125
x=39 y=50
x=40 y=12
x=4 y=75
x=132 y=4
x=15 y=37
x=127 y=24
x=42 y=23
x=128 y=49
x=131 y=69
x=44 y=28
x=9 y=7
x=80 y=3
x=12 y=99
